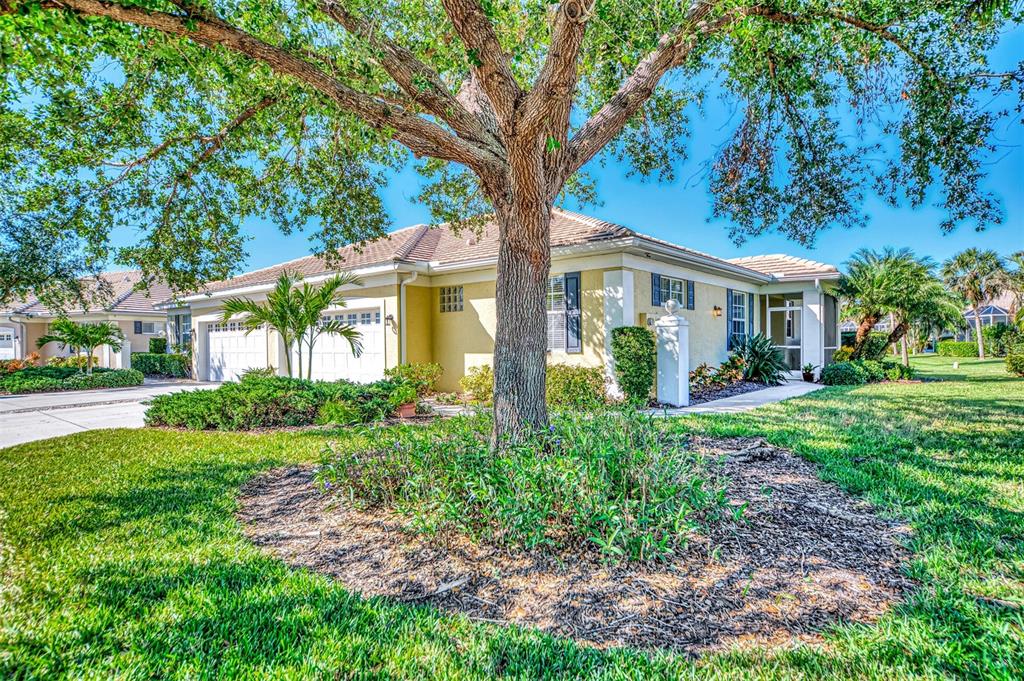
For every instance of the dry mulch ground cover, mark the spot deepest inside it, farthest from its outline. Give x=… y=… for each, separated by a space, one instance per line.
x=804 y=555
x=712 y=393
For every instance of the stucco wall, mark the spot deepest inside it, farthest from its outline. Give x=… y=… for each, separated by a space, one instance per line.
x=707 y=332
x=419 y=323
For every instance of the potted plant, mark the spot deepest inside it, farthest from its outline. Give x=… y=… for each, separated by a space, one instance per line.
x=404 y=399
x=808 y=371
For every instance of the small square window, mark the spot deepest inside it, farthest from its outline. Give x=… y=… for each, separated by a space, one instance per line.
x=365 y=317
x=352 y=318
x=451 y=299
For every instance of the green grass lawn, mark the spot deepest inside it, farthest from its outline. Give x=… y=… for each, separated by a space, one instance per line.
x=120 y=557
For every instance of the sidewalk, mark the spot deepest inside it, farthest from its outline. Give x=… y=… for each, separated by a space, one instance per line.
x=746 y=401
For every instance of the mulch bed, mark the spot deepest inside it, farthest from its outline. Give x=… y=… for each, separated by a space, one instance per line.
x=805 y=555
x=715 y=392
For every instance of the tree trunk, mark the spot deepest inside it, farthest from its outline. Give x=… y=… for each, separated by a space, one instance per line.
x=863 y=332
x=977 y=332
x=906 y=351
x=520 y=337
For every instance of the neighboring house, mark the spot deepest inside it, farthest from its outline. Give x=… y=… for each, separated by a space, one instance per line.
x=24 y=322
x=999 y=310
x=428 y=295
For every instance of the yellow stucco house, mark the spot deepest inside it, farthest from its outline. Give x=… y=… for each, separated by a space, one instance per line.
x=428 y=295
x=133 y=311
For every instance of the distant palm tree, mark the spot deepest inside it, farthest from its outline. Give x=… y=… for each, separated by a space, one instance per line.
x=873 y=286
x=86 y=337
x=1015 y=284
x=313 y=302
x=280 y=312
x=977 y=276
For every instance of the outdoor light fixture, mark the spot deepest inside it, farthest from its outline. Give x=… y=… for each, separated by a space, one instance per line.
x=716 y=311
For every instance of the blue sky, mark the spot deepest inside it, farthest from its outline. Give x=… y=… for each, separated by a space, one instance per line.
x=679 y=211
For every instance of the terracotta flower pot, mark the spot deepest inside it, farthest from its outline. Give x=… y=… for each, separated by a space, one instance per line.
x=407 y=411
x=809 y=376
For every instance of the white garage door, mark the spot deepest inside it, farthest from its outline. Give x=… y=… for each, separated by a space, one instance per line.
x=333 y=358
x=6 y=342
x=232 y=351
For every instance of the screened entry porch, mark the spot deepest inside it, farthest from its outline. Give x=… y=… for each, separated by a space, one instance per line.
x=803 y=324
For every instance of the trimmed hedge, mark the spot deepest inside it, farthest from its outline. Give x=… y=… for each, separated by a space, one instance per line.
x=51 y=378
x=277 y=401
x=957 y=349
x=1015 y=363
x=859 y=372
x=635 y=353
x=575 y=387
x=157 y=346
x=158 y=364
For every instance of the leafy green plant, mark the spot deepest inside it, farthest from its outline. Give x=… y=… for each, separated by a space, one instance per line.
x=574 y=387
x=1015 y=363
x=762 y=361
x=71 y=361
x=478 y=383
x=874 y=370
x=157 y=364
x=52 y=378
x=611 y=481
x=844 y=373
x=634 y=352
x=422 y=375
x=702 y=376
x=957 y=349
x=339 y=413
x=730 y=371
x=998 y=338
x=875 y=346
x=118 y=378
x=842 y=354
x=157 y=346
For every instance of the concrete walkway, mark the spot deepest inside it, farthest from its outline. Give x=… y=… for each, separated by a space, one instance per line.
x=746 y=401
x=26 y=418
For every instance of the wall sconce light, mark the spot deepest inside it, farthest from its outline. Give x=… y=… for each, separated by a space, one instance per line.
x=716 y=311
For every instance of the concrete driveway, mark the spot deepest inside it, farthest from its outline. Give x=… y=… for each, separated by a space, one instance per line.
x=25 y=418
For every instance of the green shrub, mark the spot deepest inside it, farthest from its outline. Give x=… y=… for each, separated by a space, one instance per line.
x=730 y=371
x=842 y=354
x=479 y=383
x=635 y=353
x=259 y=401
x=875 y=347
x=894 y=371
x=762 y=361
x=844 y=373
x=421 y=375
x=69 y=362
x=702 y=377
x=998 y=338
x=572 y=387
x=157 y=346
x=49 y=378
x=957 y=349
x=874 y=370
x=339 y=413
x=612 y=481
x=1015 y=363
x=156 y=364
x=119 y=378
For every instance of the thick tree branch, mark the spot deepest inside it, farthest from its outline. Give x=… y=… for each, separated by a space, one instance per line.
x=421 y=136
x=673 y=49
x=552 y=93
x=419 y=81
x=485 y=53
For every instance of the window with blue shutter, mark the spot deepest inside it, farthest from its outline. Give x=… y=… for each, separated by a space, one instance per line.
x=655 y=289
x=573 y=338
x=689 y=295
x=750 y=314
x=138 y=327
x=728 y=319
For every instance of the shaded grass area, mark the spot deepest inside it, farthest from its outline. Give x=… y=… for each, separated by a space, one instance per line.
x=120 y=555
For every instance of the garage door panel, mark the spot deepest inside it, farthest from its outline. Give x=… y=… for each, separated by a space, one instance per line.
x=232 y=352
x=332 y=355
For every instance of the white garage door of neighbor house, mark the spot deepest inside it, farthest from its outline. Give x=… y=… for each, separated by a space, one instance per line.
x=6 y=343
x=332 y=355
x=232 y=351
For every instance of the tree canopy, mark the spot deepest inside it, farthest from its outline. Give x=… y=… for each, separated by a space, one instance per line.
x=178 y=120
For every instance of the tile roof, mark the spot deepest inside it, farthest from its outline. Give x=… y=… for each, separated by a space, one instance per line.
x=123 y=297
x=786 y=266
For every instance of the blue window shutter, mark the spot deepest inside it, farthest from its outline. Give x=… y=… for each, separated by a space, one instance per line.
x=138 y=327
x=728 y=319
x=655 y=289
x=573 y=337
x=689 y=295
x=750 y=314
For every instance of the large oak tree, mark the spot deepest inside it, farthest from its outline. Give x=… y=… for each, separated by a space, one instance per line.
x=180 y=119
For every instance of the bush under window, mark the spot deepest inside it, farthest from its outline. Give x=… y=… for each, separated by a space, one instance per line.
x=158 y=346
x=635 y=354
x=762 y=361
x=575 y=387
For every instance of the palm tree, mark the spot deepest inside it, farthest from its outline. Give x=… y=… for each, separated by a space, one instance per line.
x=86 y=337
x=280 y=312
x=1015 y=284
x=977 y=276
x=873 y=286
x=313 y=302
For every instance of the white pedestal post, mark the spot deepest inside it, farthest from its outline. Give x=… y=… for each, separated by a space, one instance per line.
x=673 y=334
